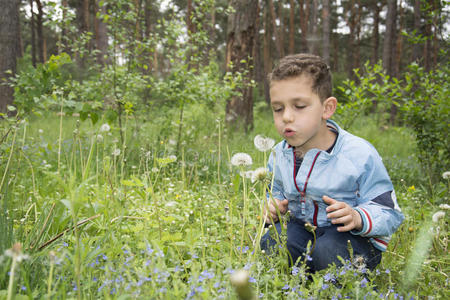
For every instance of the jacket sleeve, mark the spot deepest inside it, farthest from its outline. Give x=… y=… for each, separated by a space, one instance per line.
x=379 y=218
x=275 y=187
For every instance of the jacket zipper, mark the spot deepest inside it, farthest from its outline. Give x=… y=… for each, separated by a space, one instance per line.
x=303 y=193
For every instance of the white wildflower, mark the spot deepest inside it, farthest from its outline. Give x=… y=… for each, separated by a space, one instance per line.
x=41 y=131
x=16 y=253
x=205 y=168
x=438 y=215
x=99 y=138
x=172 y=142
x=155 y=170
x=172 y=158
x=444 y=206
x=260 y=174
x=241 y=159
x=246 y=174
x=263 y=143
x=105 y=128
x=446 y=175
x=116 y=152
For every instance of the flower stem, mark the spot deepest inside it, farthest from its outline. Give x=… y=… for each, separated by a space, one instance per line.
x=11 y=278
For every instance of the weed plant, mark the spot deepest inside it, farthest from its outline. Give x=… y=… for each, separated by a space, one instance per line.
x=148 y=218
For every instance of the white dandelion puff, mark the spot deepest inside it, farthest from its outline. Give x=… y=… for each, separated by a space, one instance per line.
x=16 y=252
x=263 y=143
x=446 y=175
x=241 y=159
x=246 y=174
x=105 y=128
x=99 y=138
x=172 y=158
x=444 y=206
x=438 y=215
x=116 y=152
x=259 y=174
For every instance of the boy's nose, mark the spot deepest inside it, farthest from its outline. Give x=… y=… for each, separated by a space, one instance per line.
x=288 y=116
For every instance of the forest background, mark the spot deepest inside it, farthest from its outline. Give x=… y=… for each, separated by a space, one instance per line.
x=107 y=103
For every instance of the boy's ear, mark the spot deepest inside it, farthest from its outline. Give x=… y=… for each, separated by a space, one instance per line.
x=329 y=107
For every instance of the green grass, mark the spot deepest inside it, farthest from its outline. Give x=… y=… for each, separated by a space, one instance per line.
x=177 y=229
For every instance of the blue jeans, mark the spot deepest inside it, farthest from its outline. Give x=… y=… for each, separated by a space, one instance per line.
x=330 y=244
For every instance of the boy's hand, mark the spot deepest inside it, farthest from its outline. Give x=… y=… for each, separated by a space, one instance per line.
x=282 y=207
x=342 y=213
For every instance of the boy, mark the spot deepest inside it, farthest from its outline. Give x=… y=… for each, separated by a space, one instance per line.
x=323 y=174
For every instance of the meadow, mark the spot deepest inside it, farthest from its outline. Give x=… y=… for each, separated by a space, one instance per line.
x=156 y=214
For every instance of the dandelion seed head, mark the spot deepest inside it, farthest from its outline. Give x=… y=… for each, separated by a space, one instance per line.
x=246 y=174
x=241 y=159
x=438 y=215
x=446 y=175
x=444 y=206
x=259 y=174
x=262 y=143
x=116 y=152
x=105 y=128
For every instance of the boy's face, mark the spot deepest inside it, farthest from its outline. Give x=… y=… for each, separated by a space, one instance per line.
x=298 y=113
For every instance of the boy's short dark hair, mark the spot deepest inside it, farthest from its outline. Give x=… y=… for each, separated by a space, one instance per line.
x=305 y=64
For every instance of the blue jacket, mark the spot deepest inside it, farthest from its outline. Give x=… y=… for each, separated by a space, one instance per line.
x=353 y=172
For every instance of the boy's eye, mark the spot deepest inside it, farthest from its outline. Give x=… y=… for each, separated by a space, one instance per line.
x=300 y=106
x=277 y=109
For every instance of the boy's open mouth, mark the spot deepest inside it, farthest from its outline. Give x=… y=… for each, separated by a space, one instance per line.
x=289 y=132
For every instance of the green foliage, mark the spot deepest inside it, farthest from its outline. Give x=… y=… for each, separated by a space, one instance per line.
x=424 y=107
x=427 y=111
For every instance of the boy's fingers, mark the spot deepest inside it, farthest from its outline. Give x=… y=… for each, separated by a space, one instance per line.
x=329 y=200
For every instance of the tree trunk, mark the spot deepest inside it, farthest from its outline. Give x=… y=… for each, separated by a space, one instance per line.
x=389 y=48
x=291 y=27
x=9 y=33
x=376 y=31
x=418 y=30
x=190 y=26
x=101 y=34
x=313 y=37
x=399 y=45
x=389 y=38
x=357 y=46
x=351 y=23
x=40 y=32
x=304 y=26
x=240 y=42
x=267 y=53
x=326 y=31
x=33 y=34
x=278 y=44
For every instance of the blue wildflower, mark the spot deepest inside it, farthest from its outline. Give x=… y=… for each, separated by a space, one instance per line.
x=295 y=270
x=364 y=282
x=308 y=258
x=286 y=287
x=327 y=277
x=23 y=288
x=251 y=279
x=325 y=286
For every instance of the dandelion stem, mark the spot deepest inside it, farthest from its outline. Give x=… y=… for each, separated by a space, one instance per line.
x=60 y=135
x=11 y=278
